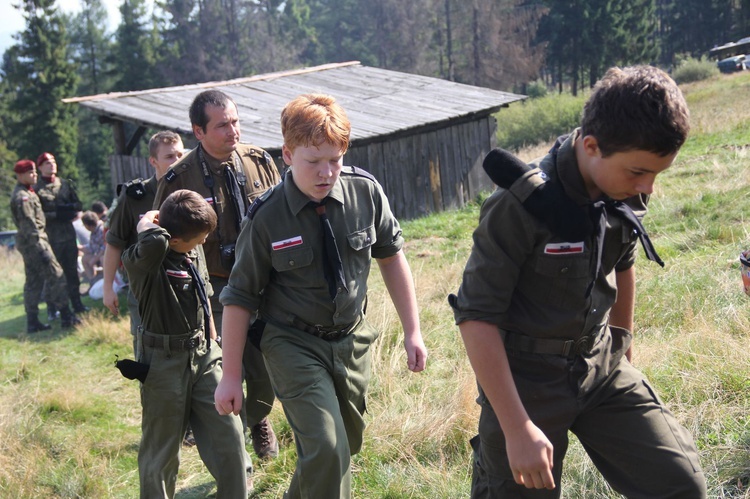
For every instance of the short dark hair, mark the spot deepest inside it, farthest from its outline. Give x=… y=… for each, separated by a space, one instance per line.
x=99 y=207
x=216 y=98
x=185 y=214
x=636 y=108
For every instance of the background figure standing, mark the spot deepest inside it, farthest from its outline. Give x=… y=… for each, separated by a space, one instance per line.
x=231 y=175
x=100 y=209
x=93 y=252
x=61 y=205
x=32 y=242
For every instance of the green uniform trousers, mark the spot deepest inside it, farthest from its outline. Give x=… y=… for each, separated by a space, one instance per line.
x=179 y=389
x=633 y=440
x=322 y=386
x=260 y=397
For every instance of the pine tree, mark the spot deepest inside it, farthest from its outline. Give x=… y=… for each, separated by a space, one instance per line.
x=39 y=74
x=133 y=59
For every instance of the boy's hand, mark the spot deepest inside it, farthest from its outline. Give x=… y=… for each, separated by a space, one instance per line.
x=228 y=396
x=150 y=220
x=416 y=352
x=530 y=457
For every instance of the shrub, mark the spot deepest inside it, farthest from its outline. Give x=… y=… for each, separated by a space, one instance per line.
x=536 y=89
x=691 y=69
x=538 y=120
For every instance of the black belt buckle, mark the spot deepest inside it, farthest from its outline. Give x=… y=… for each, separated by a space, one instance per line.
x=584 y=344
x=191 y=343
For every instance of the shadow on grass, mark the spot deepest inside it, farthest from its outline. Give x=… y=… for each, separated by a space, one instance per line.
x=15 y=327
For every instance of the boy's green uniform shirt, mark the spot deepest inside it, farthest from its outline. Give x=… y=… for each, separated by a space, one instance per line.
x=279 y=273
x=523 y=278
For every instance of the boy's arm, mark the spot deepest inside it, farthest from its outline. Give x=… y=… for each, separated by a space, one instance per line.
x=112 y=255
x=529 y=450
x=622 y=311
x=397 y=277
x=228 y=395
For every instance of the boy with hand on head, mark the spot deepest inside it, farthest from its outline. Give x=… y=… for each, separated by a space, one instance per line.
x=546 y=305
x=303 y=258
x=168 y=276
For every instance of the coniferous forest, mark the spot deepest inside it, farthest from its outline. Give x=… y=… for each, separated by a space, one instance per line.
x=501 y=44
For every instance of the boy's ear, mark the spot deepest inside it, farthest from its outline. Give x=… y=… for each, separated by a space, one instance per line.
x=286 y=154
x=152 y=161
x=591 y=146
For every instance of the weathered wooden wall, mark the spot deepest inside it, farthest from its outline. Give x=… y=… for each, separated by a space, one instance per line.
x=125 y=168
x=433 y=171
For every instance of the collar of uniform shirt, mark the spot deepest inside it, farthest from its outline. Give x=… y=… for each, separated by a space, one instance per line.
x=297 y=200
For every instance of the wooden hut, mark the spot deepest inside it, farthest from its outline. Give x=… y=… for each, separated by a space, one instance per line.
x=423 y=138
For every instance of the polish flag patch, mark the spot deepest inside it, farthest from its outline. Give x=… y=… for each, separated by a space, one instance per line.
x=24 y=198
x=563 y=248
x=209 y=200
x=286 y=243
x=181 y=274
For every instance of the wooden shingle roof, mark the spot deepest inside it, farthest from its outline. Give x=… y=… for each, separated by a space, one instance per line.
x=379 y=102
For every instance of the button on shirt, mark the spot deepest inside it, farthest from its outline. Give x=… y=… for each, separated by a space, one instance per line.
x=517 y=278
x=279 y=269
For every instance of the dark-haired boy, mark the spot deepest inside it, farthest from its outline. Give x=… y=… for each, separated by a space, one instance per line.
x=168 y=276
x=547 y=316
x=303 y=258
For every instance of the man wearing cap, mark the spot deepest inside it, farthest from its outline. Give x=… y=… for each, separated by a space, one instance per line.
x=60 y=204
x=39 y=260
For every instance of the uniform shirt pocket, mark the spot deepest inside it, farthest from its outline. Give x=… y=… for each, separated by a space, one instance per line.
x=360 y=243
x=564 y=279
x=291 y=259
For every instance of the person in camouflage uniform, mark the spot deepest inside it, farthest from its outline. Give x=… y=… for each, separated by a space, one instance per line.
x=39 y=260
x=61 y=205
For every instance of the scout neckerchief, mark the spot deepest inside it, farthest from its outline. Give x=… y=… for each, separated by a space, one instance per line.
x=333 y=268
x=235 y=188
x=200 y=289
x=599 y=210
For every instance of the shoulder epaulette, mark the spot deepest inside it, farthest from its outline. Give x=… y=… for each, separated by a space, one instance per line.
x=542 y=197
x=258 y=203
x=170 y=176
x=359 y=172
x=135 y=189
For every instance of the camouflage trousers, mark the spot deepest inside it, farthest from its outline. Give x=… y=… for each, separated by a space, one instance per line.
x=40 y=272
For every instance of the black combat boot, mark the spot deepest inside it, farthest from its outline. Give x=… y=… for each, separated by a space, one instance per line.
x=67 y=318
x=78 y=306
x=33 y=325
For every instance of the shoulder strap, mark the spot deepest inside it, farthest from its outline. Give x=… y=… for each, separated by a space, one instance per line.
x=542 y=197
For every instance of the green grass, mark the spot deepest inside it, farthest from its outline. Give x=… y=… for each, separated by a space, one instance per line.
x=70 y=424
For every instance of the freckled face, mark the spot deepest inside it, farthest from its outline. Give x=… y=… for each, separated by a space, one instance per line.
x=623 y=174
x=315 y=169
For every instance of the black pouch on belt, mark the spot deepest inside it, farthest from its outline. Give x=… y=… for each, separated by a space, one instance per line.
x=255 y=332
x=132 y=369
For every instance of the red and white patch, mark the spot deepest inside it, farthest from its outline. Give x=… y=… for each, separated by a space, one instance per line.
x=181 y=274
x=209 y=200
x=286 y=243
x=24 y=198
x=563 y=248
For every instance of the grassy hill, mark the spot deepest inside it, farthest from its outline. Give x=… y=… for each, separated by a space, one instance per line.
x=70 y=424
